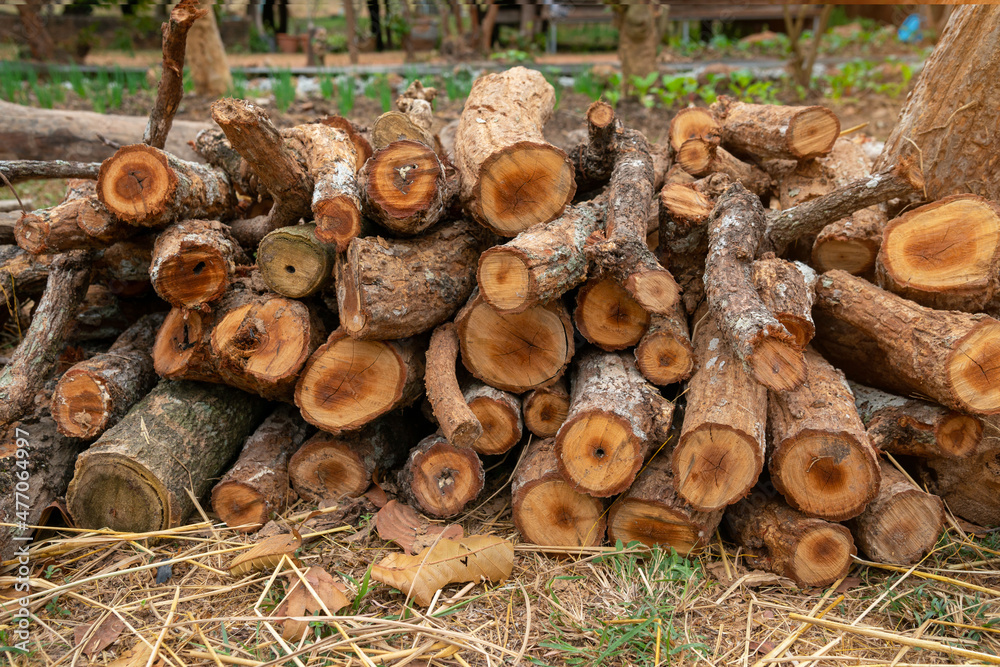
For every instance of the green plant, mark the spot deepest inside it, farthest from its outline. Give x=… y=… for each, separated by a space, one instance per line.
x=345 y=96
x=283 y=87
x=586 y=84
x=326 y=86
x=677 y=88
x=239 y=89
x=613 y=92
x=378 y=89
x=458 y=84
x=512 y=57
x=76 y=80
x=643 y=85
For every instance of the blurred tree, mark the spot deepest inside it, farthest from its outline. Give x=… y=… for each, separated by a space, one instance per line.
x=39 y=40
x=206 y=56
x=803 y=56
x=638 y=38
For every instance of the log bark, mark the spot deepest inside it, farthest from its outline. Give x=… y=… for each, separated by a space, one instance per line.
x=760 y=342
x=147 y=187
x=17 y=171
x=902 y=524
x=911 y=427
x=594 y=160
x=653 y=513
x=93 y=395
x=58 y=229
x=511 y=177
x=820 y=458
x=330 y=467
x=358 y=135
x=133 y=479
x=720 y=452
x=541 y=263
x=213 y=147
x=607 y=316
x=970 y=487
x=441 y=479
x=944 y=255
x=694 y=137
x=194 y=262
x=499 y=413
x=814 y=178
x=457 y=421
x=348 y=383
x=36 y=355
x=547 y=510
x=391 y=289
x=664 y=354
x=774 y=131
x=950 y=135
x=206 y=56
x=947 y=356
x=811 y=552
x=615 y=419
x=751 y=177
x=294 y=263
x=852 y=243
x=518 y=352
x=257 y=485
x=788 y=290
x=22 y=277
x=545 y=409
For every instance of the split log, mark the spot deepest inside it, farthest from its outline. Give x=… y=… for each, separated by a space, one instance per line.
x=499 y=413
x=391 y=289
x=970 y=487
x=515 y=352
x=694 y=137
x=820 y=458
x=760 y=342
x=18 y=171
x=330 y=467
x=406 y=188
x=607 y=316
x=947 y=356
x=347 y=383
x=294 y=263
x=902 y=524
x=774 y=131
x=788 y=291
x=664 y=354
x=944 y=255
x=653 y=513
x=257 y=485
x=93 y=395
x=58 y=229
x=147 y=187
x=541 y=263
x=194 y=262
x=594 y=160
x=36 y=355
x=811 y=552
x=457 y=421
x=511 y=177
x=357 y=135
x=547 y=510
x=545 y=409
x=850 y=244
x=911 y=427
x=720 y=452
x=615 y=419
x=441 y=479
x=133 y=479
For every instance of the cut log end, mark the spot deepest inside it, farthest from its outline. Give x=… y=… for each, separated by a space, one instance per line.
x=81 y=405
x=801 y=329
x=813 y=132
x=176 y=343
x=778 y=365
x=601 y=452
x=855 y=256
x=959 y=434
x=293 y=265
x=338 y=221
x=553 y=514
x=198 y=275
x=715 y=466
x=504 y=279
x=908 y=526
x=525 y=184
x=324 y=468
x=135 y=183
x=651 y=524
x=664 y=359
x=823 y=554
x=656 y=291
x=240 y=506
x=600 y=114
x=403 y=179
x=973 y=371
x=444 y=478
x=695 y=156
x=608 y=316
x=121 y=495
x=501 y=427
x=545 y=410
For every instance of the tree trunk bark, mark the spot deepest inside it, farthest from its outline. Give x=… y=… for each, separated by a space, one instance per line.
x=774 y=131
x=546 y=409
x=206 y=56
x=594 y=160
x=457 y=421
x=441 y=479
x=57 y=229
x=788 y=290
x=638 y=39
x=970 y=486
x=194 y=262
x=607 y=316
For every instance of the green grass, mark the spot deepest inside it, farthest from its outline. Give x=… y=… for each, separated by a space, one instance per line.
x=283 y=88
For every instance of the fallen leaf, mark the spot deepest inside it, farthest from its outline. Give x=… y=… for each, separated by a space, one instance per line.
x=104 y=636
x=763 y=648
x=301 y=602
x=449 y=561
x=402 y=524
x=847 y=584
x=376 y=494
x=137 y=656
x=267 y=553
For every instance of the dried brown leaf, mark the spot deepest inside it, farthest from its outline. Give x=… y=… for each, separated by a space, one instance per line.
x=103 y=636
x=402 y=524
x=137 y=656
x=474 y=558
x=265 y=554
x=301 y=602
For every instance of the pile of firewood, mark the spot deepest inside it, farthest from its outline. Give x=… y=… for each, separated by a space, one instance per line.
x=637 y=309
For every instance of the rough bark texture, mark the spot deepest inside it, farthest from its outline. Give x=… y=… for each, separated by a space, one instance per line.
x=359 y=137
x=811 y=552
x=820 y=458
x=775 y=131
x=390 y=289
x=664 y=354
x=194 y=262
x=947 y=356
x=441 y=479
x=595 y=160
x=902 y=524
x=720 y=453
x=257 y=485
x=545 y=409
x=405 y=187
x=971 y=486
x=547 y=510
x=788 y=291
x=294 y=263
x=348 y=383
x=810 y=179
x=852 y=243
x=206 y=57
x=541 y=263
x=17 y=171
x=329 y=467
x=607 y=316
x=615 y=418
x=499 y=413
x=57 y=229
x=95 y=394
x=653 y=513
x=639 y=37
x=761 y=343
x=749 y=176
x=951 y=135
x=511 y=177
x=457 y=421
x=133 y=479
x=213 y=146
x=516 y=352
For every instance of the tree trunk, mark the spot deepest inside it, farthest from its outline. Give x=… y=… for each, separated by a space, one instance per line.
x=970 y=486
x=351 y=28
x=294 y=263
x=93 y=395
x=547 y=510
x=499 y=413
x=607 y=316
x=788 y=290
x=441 y=479
x=595 y=160
x=820 y=458
x=511 y=177
x=194 y=262
x=391 y=289
x=615 y=418
x=774 y=131
x=720 y=453
x=902 y=524
x=664 y=354
x=546 y=409
x=40 y=43
x=57 y=229
x=946 y=356
x=638 y=39
x=457 y=421
x=257 y=485
x=206 y=56
x=653 y=513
